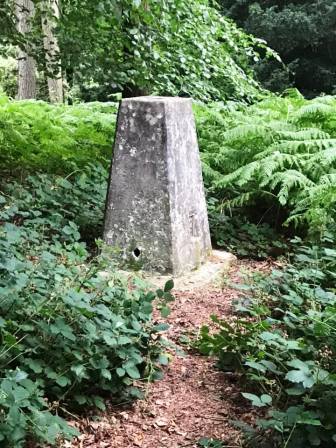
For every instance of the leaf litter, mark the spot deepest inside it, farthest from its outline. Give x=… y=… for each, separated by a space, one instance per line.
x=194 y=399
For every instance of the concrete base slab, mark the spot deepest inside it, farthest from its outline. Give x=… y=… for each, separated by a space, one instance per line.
x=208 y=273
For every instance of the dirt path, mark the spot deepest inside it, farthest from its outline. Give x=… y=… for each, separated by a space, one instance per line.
x=192 y=401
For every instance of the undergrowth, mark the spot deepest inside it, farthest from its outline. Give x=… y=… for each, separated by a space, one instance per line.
x=37 y=136
x=265 y=166
x=269 y=169
x=273 y=162
x=242 y=237
x=71 y=336
x=283 y=341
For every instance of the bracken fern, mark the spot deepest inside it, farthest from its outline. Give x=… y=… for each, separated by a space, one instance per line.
x=280 y=152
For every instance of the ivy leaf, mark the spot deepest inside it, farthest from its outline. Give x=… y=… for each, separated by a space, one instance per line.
x=106 y=374
x=35 y=365
x=123 y=340
x=302 y=374
x=260 y=402
x=99 y=402
x=169 y=285
x=309 y=418
x=268 y=336
x=164 y=359
x=256 y=365
x=165 y=311
x=81 y=399
x=20 y=375
x=79 y=370
x=133 y=372
x=299 y=376
x=20 y=394
x=160 y=327
x=111 y=341
x=147 y=308
x=120 y=372
x=136 y=393
x=62 y=381
x=297 y=390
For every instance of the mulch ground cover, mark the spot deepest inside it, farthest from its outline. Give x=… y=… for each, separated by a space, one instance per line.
x=194 y=399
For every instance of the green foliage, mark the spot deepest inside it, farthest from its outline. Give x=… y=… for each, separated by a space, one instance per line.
x=274 y=160
x=79 y=197
x=8 y=76
x=72 y=333
x=7 y=24
x=210 y=443
x=241 y=237
x=36 y=136
x=170 y=47
x=301 y=32
x=283 y=340
x=22 y=407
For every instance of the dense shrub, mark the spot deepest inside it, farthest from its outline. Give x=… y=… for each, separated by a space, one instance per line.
x=242 y=237
x=270 y=163
x=283 y=340
x=175 y=47
x=37 y=136
x=274 y=160
x=274 y=163
x=301 y=31
x=8 y=76
x=70 y=336
x=79 y=197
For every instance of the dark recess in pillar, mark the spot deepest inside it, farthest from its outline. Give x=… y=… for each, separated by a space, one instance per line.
x=137 y=252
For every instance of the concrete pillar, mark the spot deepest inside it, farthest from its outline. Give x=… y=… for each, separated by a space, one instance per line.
x=156 y=212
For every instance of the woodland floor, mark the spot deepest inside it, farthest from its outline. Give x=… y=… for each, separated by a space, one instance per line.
x=194 y=399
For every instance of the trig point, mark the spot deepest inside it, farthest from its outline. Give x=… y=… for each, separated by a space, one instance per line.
x=156 y=213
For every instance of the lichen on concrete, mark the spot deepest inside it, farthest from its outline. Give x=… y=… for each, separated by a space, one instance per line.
x=156 y=210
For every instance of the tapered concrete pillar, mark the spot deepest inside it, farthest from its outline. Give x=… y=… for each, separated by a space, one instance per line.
x=156 y=212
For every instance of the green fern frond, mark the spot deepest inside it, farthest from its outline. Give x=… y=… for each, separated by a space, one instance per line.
x=284 y=147
x=209 y=173
x=317 y=109
x=277 y=162
x=306 y=147
x=303 y=134
x=287 y=181
x=247 y=131
x=324 y=158
x=239 y=177
x=326 y=99
x=329 y=179
x=280 y=126
x=239 y=201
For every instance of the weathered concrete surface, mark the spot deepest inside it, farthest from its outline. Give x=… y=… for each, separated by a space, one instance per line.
x=210 y=273
x=156 y=212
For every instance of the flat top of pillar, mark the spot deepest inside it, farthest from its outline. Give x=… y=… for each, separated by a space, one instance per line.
x=157 y=99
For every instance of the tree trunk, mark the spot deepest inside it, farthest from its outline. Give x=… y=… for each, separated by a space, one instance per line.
x=53 y=63
x=26 y=63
